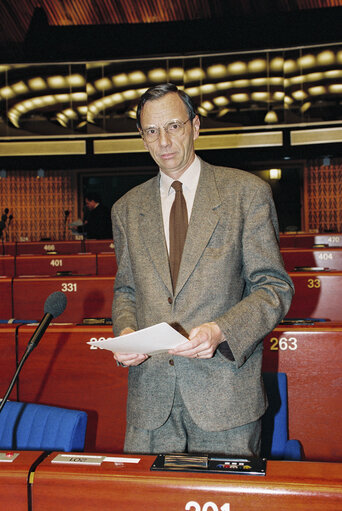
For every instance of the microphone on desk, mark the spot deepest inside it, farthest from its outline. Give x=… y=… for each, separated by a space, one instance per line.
x=54 y=306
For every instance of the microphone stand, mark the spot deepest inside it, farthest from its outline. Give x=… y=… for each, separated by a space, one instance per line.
x=15 y=377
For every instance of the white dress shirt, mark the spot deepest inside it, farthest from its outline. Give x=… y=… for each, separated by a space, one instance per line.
x=189 y=181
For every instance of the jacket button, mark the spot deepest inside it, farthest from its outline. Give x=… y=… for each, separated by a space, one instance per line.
x=171 y=362
x=169 y=300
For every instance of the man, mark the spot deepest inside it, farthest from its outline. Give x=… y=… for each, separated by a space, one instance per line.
x=96 y=219
x=206 y=395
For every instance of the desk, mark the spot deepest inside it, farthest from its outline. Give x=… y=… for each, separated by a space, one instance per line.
x=7 y=358
x=13 y=481
x=307 y=239
x=43 y=247
x=106 y=263
x=8 y=248
x=51 y=264
x=6 y=311
x=97 y=246
x=317 y=295
x=311 y=356
x=87 y=297
x=64 y=371
x=125 y=487
x=7 y=265
x=319 y=257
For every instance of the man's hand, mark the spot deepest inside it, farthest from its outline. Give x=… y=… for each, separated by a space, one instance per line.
x=203 y=341
x=129 y=359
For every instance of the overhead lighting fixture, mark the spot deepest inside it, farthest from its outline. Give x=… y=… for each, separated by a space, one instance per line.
x=275 y=173
x=40 y=173
x=271 y=117
x=3 y=173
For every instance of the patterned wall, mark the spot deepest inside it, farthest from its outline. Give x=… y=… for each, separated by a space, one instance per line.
x=38 y=204
x=323 y=196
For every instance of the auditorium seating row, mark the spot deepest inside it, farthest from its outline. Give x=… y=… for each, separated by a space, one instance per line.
x=34 y=481
x=56 y=247
x=318 y=295
x=64 y=370
x=287 y=240
x=310 y=240
x=67 y=264
x=104 y=263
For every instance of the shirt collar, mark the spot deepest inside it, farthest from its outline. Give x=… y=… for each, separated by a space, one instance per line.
x=189 y=179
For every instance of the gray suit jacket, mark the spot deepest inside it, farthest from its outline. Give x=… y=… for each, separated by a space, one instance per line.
x=231 y=272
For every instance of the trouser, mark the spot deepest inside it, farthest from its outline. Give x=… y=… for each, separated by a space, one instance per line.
x=180 y=434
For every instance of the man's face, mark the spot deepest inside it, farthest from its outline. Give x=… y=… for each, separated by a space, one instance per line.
x=90 y=204
x=173 y=154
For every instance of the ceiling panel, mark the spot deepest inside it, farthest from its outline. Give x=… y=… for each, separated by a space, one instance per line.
x=16 y=15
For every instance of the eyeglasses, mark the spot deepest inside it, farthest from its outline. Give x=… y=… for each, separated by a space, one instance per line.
x=172 y=128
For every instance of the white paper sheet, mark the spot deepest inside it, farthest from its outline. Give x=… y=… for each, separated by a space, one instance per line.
x=152 y=340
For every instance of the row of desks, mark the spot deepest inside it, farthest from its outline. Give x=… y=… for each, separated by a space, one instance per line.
x=122 y=485
x=104 y=263
x=64 y=371
x=57 y=247
x=309 y=240
x=318 y=295
x=287 y=240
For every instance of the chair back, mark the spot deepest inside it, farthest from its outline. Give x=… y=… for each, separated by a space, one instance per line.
x=275 y=420
x=28 y=426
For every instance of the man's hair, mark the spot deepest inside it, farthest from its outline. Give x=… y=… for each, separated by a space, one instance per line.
x=158 y=91
x=92 y=196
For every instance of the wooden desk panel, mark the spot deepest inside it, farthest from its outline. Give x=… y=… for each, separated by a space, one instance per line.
x=7 y=265
x=6 y=311
x=88 y=297
x=320 y=257
x=286 y=486
x=106 y=264
x=51 y=264
x=7 y=359
x=64 y=371
x=43 y=247
x=307 y=240
x=97 y=246
x=8 y=248
x=13 y=481
x=318 y=295
x=311 y=356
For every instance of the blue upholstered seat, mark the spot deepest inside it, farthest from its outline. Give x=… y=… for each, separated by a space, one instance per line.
x=275 y=440
x=27 y=426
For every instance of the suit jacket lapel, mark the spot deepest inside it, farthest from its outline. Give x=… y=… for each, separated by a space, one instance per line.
x=204 y=218
x=152 y=230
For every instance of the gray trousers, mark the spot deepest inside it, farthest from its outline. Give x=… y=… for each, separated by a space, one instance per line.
x=180 y=434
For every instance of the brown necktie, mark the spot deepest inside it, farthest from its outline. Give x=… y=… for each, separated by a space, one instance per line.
x=178 y=228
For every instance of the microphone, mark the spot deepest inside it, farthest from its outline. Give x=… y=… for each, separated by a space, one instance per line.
x=54 y=306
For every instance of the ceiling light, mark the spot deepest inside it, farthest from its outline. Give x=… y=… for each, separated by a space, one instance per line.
x=275 y=173
x=217 y=71
x=271 y=117
x=37 y=83
x=157 y=75
x=237 y=68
